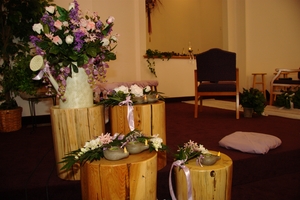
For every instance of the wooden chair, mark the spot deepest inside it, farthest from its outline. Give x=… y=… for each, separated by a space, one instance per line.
x=278 y=85
x=216 y=75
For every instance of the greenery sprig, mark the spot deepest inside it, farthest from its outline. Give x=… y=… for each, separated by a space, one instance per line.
x=286 y=97
x=151 y=54
x=93 y=149
x=189 y=151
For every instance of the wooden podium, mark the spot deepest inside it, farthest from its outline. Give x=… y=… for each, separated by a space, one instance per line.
x=149 y=118
x=134 y=177
x=71 y=129
x=208 y=182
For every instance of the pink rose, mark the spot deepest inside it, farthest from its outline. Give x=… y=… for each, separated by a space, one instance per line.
x=56 y=40
x=58 y=24
x=110 y=20
x=90 y=25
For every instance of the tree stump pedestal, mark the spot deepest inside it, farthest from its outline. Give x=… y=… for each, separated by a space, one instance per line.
x=208 y=182
x=134 y=177
x=71 y=129
x=149 y=118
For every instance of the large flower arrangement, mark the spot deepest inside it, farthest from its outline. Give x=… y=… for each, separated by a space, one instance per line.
x=122 y=93
x=67 y=39
x=93 y=149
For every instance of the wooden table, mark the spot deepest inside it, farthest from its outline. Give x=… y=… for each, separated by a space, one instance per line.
x=208 y=182
x=149 y=118
x=134 y=177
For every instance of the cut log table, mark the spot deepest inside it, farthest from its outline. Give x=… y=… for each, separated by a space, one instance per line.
x=148 y=118
x=208 y=182
x=134 y=177
x=71 y=129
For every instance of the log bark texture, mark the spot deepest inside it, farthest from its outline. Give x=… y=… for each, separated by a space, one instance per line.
x=134 y=177
x=148 y=118
x=208 y=182
x=71 y=129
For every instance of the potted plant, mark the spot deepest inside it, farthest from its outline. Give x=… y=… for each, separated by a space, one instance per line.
x=16 y=20
x=253 y=101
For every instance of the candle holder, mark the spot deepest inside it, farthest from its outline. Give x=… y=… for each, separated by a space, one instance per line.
x=136 y=147
x=152 y=98
x=115 y=153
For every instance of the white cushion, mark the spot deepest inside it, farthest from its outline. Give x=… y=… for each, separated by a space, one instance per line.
x=250 y=142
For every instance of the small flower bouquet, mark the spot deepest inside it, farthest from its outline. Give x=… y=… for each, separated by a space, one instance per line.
x=94 y=149
x=135 y=94
x=192 y=150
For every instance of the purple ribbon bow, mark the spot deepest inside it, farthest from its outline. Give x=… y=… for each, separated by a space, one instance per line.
x=40 y=75
x=180 y=163
x=130 y=117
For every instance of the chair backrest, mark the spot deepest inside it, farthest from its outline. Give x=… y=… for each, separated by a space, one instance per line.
x=216 y=65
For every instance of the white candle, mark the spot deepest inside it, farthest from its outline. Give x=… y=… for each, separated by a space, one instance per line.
x=125 y=150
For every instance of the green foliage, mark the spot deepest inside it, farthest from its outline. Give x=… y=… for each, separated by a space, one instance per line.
x=16 y=20
x=152 y=54
x=253 y=98
x=23 y=75
x=186 y=154
x=286 y=97
x=96 y=152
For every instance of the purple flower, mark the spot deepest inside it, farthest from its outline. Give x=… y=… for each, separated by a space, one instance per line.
x=78 y=40
x=74 y=12
x=48 y=20
x=99 y=24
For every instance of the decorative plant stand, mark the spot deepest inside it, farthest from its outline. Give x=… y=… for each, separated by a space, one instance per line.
x=208 y=182
x=134 y=177
x=148 y=118
x=71 y=128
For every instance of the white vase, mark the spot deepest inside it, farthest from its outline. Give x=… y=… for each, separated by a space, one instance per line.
x=79 y=93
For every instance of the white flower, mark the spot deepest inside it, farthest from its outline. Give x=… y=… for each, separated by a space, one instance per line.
x=122 y=88
x=65 y=23
x=114 y=38
x=136 y=90
x=110 y=20
x=71 y=6
x=38 y=28
x=69 y=39
x=50 y=9
x=105 y=42
x=156 y=142
x=147 y=88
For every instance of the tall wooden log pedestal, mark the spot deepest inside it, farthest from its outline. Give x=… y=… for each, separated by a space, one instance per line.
x=208 y=182
x=149 y=118
x=71 y=129
x=134 y=177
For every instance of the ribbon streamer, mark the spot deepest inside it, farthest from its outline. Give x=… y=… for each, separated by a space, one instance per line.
x=130 y=117
x=40 y=75
x=180 y=163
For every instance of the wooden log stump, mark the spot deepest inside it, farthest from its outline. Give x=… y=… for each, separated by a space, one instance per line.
x=71 y=129
x=208 y=182
x=134 y=177
x=148 y=118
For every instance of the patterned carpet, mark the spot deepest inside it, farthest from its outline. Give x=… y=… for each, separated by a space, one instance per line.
x=269 y=110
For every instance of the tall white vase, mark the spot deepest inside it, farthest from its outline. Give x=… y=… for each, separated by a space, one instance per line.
x=79 y=93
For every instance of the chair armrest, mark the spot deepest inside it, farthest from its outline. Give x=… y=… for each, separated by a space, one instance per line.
x=287 y=70
x=281 y=70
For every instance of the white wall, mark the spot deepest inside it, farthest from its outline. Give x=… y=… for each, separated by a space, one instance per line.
x=265 y=35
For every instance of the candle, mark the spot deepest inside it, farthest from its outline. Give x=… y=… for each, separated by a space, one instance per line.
x=145 y=98
x=125 y=150
x=146 y=142
x=219 y=153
